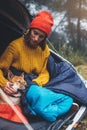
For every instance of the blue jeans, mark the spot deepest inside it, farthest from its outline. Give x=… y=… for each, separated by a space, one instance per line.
x=46 y=103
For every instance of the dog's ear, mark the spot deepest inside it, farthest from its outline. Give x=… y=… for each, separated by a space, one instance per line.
x=22 y=74
x=10 y=75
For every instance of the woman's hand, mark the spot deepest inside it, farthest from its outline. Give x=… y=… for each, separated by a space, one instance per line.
x=8 y=89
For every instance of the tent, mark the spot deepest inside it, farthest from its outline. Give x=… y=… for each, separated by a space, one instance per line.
x=14 y=20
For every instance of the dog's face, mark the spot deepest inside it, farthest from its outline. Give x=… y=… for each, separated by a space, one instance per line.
x=18 y=81
x=18 y=84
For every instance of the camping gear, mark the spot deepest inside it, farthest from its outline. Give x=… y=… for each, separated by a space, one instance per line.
x=22 y=118
x=14 y=20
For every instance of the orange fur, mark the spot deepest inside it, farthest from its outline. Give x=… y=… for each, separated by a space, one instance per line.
x=18 y=80
x=18 y=83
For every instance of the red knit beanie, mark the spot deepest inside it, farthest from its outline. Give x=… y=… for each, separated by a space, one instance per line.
x=43 y=21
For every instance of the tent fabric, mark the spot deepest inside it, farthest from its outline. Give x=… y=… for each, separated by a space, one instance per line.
x=14 y=20
x=14 y=12
x=10 y=125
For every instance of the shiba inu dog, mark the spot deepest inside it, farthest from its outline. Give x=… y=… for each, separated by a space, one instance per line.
x=18 y=84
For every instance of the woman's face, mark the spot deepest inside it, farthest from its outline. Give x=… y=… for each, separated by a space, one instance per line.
x=36 y=36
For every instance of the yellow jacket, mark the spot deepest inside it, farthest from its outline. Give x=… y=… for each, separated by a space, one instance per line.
x=23 y=58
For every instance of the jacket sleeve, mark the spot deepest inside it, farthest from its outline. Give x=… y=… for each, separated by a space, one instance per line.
x=5 y=62
x=44 y=76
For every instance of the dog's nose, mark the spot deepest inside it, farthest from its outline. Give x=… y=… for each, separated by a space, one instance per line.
x=25 y=83
x=23 y=87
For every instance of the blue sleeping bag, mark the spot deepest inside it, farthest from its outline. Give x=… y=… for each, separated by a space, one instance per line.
x=46 y=103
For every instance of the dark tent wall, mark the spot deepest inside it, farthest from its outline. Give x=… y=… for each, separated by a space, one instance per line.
x=14 y=20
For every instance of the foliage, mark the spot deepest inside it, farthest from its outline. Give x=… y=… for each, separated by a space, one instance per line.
x=70 y=20
x=82 y=69
x=75 y=57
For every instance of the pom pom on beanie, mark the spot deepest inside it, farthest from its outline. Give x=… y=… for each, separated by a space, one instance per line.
x=43 y=21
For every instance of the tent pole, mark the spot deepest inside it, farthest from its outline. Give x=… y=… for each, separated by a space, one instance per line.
x=19 y=114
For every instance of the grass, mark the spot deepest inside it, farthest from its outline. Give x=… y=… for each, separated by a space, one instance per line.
x=82 y=69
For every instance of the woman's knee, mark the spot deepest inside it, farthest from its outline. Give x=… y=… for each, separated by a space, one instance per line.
x=65 y=105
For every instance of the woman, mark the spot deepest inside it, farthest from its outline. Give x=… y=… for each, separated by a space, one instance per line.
x=29 y=54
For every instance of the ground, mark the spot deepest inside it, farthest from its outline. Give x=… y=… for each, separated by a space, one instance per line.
x=82 y=69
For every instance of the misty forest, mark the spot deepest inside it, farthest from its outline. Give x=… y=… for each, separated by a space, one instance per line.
x=69 y=34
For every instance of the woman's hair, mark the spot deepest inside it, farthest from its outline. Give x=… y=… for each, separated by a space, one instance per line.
x=42 y=44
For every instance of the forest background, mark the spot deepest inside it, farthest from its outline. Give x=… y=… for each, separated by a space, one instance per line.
x=69 y=35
